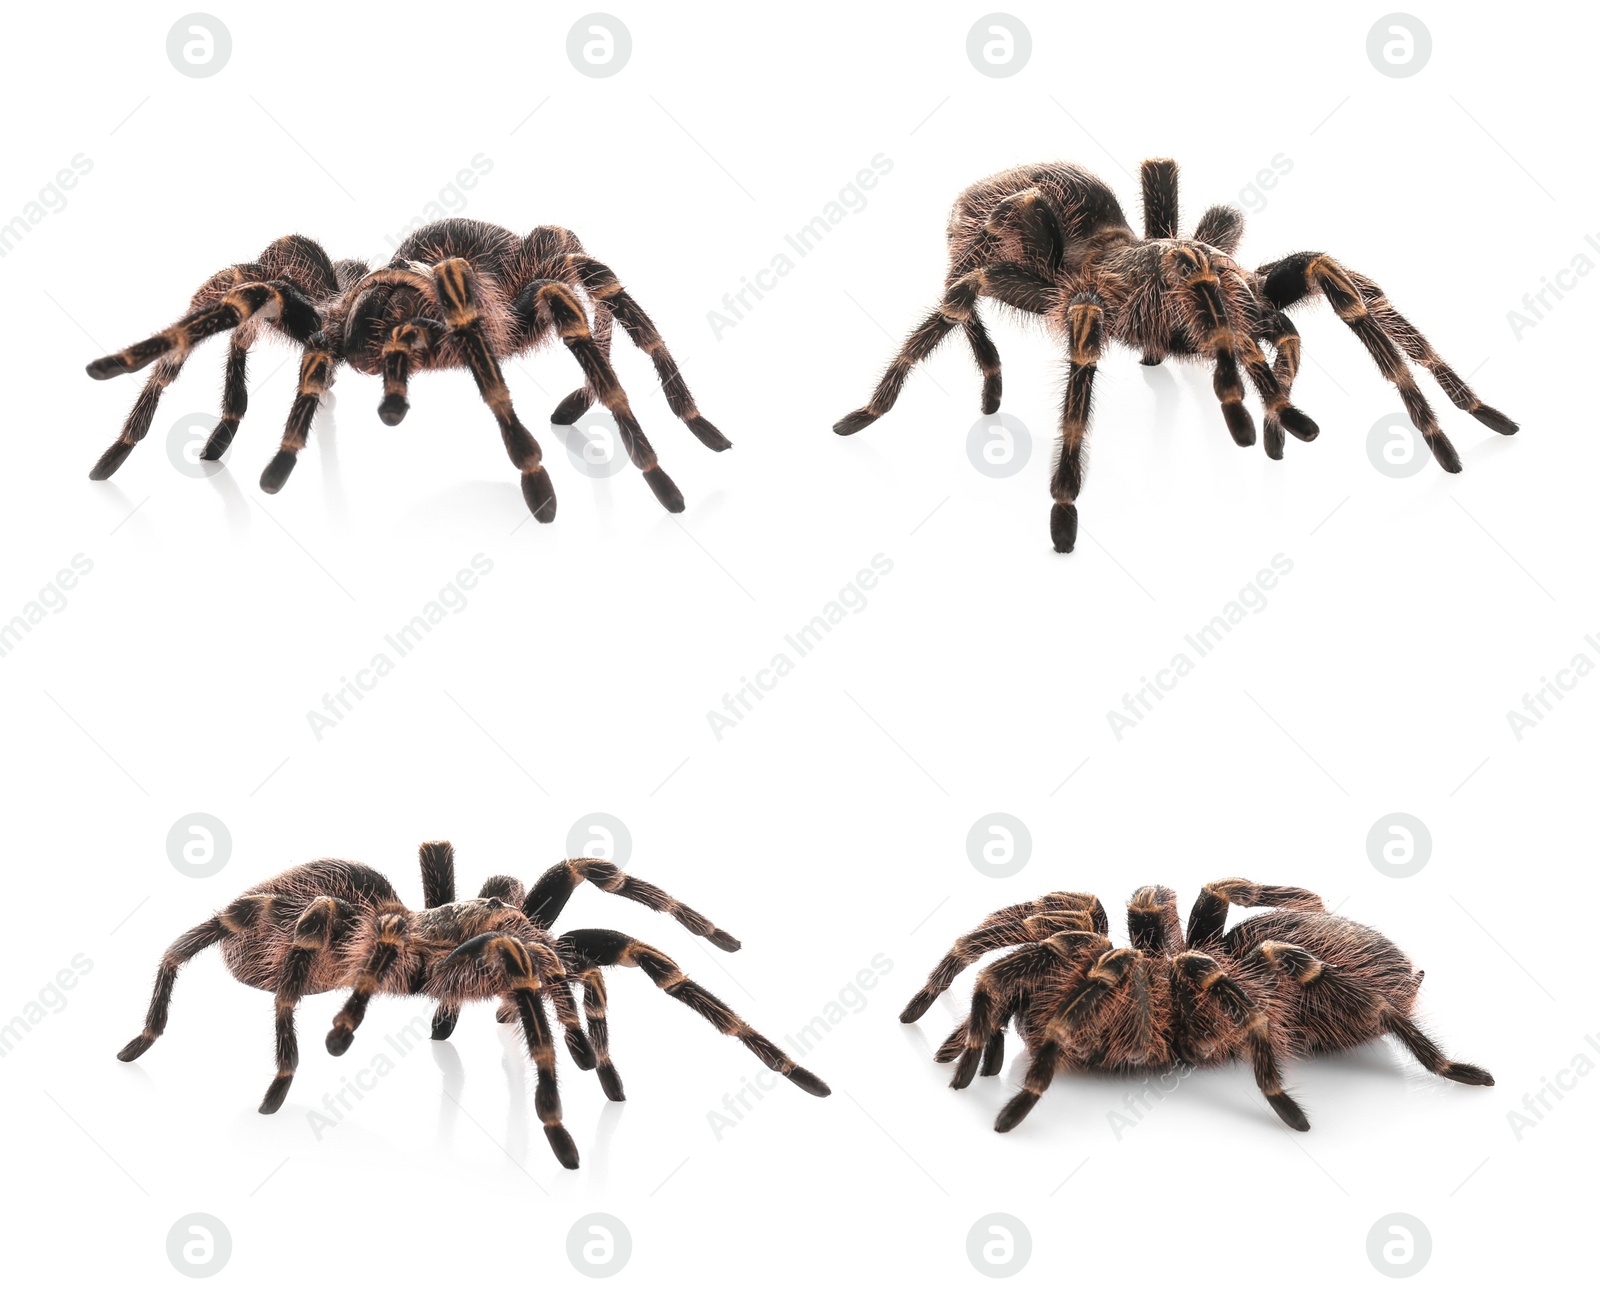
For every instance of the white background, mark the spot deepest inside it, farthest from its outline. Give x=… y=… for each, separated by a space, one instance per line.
x=829 y=826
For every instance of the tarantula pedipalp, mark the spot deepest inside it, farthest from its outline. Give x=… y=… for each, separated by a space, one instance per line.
x=457 y=294
x=1051 y=240
x=1288 y=983
x=329 y=925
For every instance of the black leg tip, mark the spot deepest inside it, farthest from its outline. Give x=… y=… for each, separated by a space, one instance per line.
x=392 y=411
x=1298 y=424
x=994 y=1059
x=1018 y=1108
x=110 y=460
x=1272 y=439
x=1495 y=420
x=1470 y=1074
x=708 y=435
x=1064 y=526
x=442 y=1028
x=853 y=422
x=1241 y=426
x=110 y=366
x=137 y=1047
x=277 y=471
x=1289 y=1111
x=339 y=1041
x=916 y=1007
x=726 y=941
x=1444 y=453
x=966 y=1070
x=667 y=494
x=220 y=439
x=539 y=494
x=611 y=1084
x=566 y=1152
x=273 y=1100
x=809 y=1082
x=1150 y=361
x=572 y=408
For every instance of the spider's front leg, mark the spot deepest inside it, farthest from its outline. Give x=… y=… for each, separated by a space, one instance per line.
x=389 y=940
x=456 y=286
x=316 y=375
x=1085 y=328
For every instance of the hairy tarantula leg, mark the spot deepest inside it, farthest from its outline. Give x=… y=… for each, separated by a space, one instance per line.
x=507 y=888
x=1153 y=924
x=575 y=405
x=1427 y=1051
x=1208 y=979
x=137 y=424
x=988 y=361
x=316 y=374
x=993 y=994
x=1102 y=980
x=1279 y=413
x=594 y=1012
x=1287 y=281
x=411 y=338
x=1416 y=346
x=1201 y=292
x=1210 y=910
x=515 y=960
x=235 y=400
x=991 y=936
x=1158 y=180
x=1086 y=336
x=445 y=1019
x=313 y=936
x=238 y=916
x=1279 y=332
x=557 y=982
x=455 y=283
x=547 y=1095
x=1221 y=227
x=437 y=860
x=597 y=948
x=569 y=320
x=600 y=281
x=390 y=935
x=549 y=895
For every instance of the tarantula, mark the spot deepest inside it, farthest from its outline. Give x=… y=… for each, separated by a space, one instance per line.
x=458 y=294
x=329 y=925
x=1052 y=240
x=1293 y=982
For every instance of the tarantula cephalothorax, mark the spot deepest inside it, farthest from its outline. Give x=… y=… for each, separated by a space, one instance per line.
x=329 y=925
x=458 y=294
x=1051 y=240
x=1293 y=982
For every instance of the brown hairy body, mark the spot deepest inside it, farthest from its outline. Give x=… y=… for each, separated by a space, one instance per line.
x=1051 y=240
x=332 y=925
x=457 y=294
x=1289 y=983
